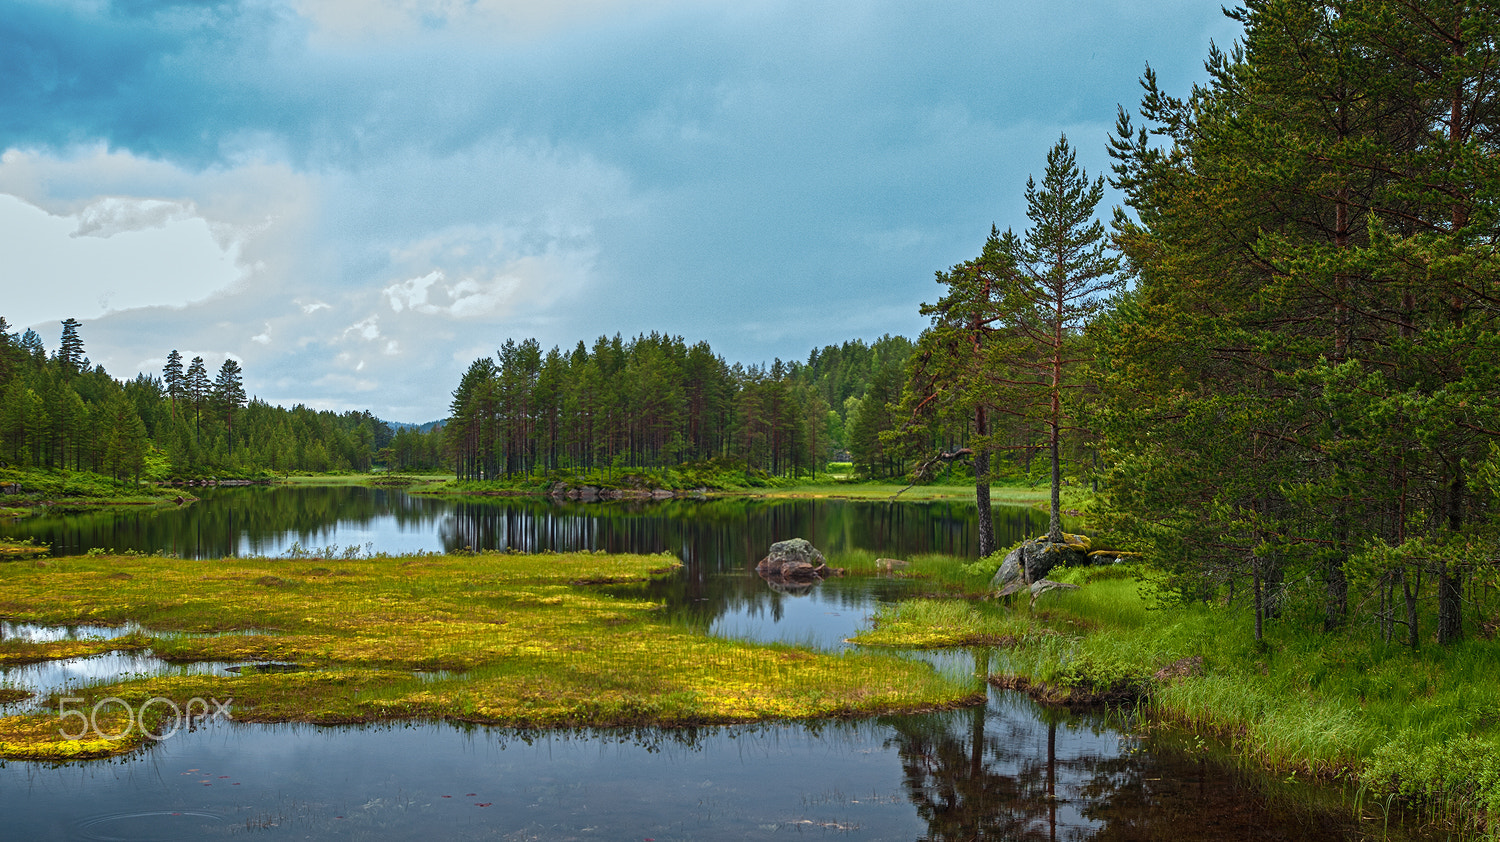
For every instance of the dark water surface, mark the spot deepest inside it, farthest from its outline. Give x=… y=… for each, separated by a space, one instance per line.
x=1006 y=771
x=1010 y=770
x=270 y=520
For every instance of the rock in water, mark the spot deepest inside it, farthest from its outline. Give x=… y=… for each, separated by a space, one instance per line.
x=793 y=559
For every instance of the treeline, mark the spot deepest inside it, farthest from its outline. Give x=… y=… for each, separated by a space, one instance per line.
x=655 y=401
x=61 y=411
x=1296 y=405
x=1303 y=386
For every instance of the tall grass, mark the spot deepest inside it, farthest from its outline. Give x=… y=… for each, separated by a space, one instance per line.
x=1422 y=728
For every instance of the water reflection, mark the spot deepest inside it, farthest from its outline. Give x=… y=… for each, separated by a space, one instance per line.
x=62 y=676
x=1008 y=771
x=707 y=535
x=1015 y=771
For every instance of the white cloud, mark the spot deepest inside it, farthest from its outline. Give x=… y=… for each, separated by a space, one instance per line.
x=412 y=294
x=113 y=215
x=507 y=19
x=122 y=262
x=367 y=329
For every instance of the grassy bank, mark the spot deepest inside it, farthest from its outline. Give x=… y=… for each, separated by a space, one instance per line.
x=1422 y=728
x=41 y=488
x=526 y=640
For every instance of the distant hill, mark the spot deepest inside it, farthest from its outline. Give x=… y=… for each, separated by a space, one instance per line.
x=421 y=428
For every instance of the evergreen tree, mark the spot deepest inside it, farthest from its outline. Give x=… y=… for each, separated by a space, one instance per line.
x=1312 y=334
x=31 y=343
x=70 y=350
x=229 y=395
x=174 y=379
x=1060 y=275
x=198 y=389
x=950 y=379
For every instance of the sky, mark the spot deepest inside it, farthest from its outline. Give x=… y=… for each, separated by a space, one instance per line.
x=355 y=199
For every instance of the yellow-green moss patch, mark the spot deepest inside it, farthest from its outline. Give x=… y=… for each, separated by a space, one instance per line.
x=527 y=640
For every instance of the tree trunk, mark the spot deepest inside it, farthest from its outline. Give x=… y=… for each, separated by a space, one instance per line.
x=1258 y=596
x=982 y=487
x=1450 y=623
x=1409 y=592
x=1054 y=521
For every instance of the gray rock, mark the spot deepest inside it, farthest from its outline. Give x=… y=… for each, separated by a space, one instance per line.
x=1011 y=576
x=792 y=559
x=1033 y=560
x=1041 y=586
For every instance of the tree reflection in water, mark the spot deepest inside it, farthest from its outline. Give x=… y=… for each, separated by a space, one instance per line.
x=1015 y=770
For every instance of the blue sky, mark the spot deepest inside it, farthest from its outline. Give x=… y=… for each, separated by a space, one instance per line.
x=356 y=198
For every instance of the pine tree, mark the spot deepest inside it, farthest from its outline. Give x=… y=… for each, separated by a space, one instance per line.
x=198 y=389
x=31 y=343
x=949 y=378
x=174 y=379
x=70 y=350
x=1061 y=274
x=1315 y=241
x=229 y=395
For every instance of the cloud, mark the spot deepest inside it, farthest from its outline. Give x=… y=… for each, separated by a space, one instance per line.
x=507 y=19
x=412 y=294
x=358 y=192
x=123 y=260
x=367 y=329
x=114 y=215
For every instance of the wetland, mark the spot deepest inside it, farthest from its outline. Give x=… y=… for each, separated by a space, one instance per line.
x=454 y=687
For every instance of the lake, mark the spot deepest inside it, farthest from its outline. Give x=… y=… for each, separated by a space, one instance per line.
x=1008 y=770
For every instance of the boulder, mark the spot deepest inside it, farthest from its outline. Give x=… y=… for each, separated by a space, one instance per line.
x=1033 y=560
x=891 y=564
x=795 y=560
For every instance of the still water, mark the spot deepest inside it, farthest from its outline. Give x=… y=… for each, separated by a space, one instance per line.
x=270 y=520
x=1008 y=770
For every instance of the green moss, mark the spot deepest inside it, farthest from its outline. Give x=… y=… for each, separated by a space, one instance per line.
x=515 y=639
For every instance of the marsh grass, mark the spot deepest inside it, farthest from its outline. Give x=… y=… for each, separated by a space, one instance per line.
x=865 y=491
x=925 y=623
x=13 y=550
x=1415 y=731
x=20 y=652
x=525 y=640
x=936 y=575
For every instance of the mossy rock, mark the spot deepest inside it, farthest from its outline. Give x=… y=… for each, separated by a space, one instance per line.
x=1038 y=556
